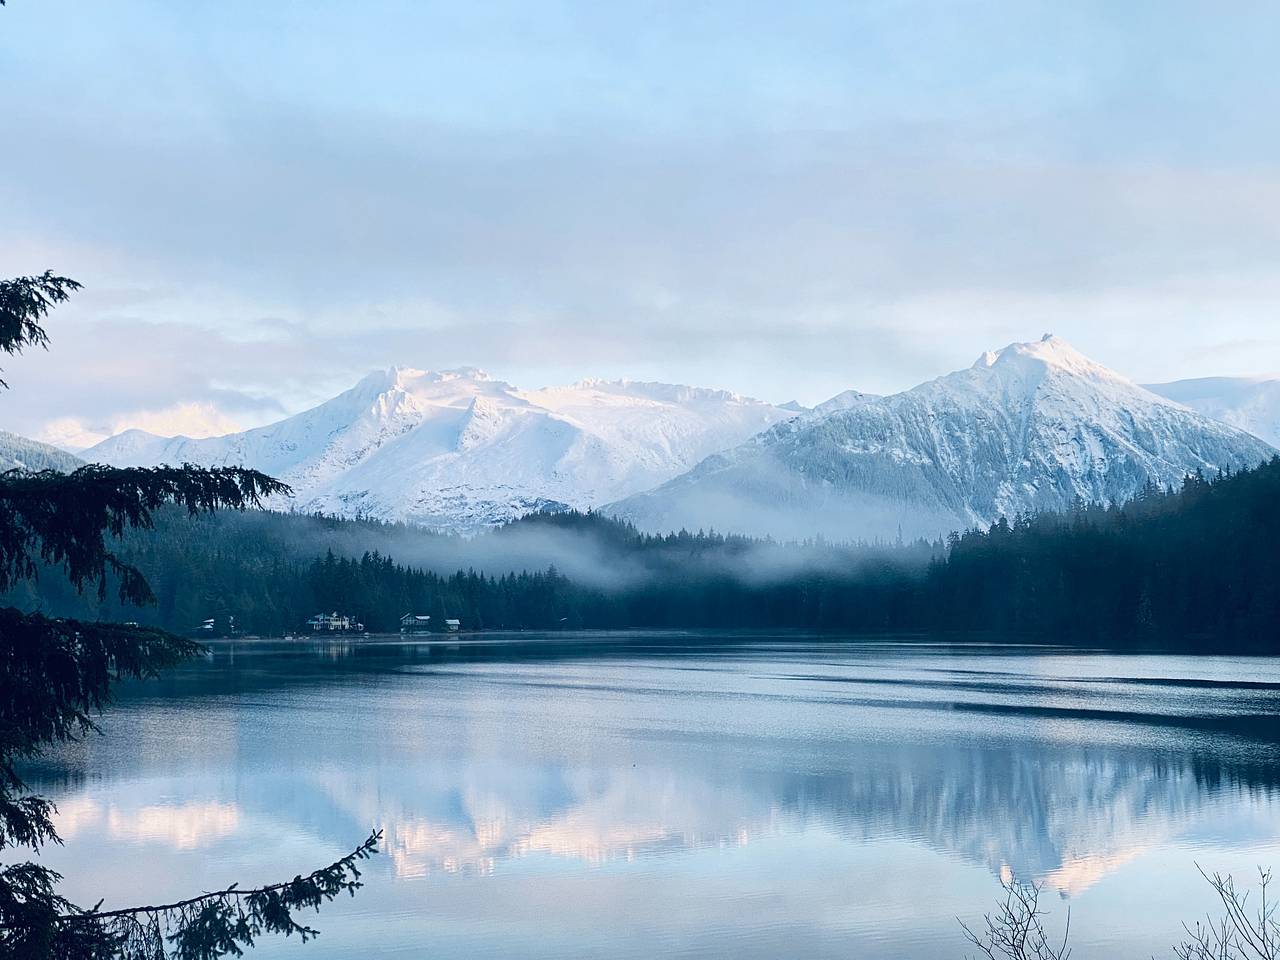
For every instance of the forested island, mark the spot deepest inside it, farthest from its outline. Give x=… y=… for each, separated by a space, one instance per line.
x=1193 y=566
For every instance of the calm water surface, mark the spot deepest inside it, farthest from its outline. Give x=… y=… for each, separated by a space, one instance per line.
x=641 y=796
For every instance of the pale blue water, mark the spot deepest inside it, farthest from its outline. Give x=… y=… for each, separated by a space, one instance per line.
x=665 y=796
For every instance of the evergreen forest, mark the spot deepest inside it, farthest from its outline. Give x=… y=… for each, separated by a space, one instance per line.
x=1194 y=566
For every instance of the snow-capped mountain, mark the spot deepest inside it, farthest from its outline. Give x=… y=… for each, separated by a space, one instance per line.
x=1249 y=404
x=1030 y=427
x=19 y=453
x=458 y=450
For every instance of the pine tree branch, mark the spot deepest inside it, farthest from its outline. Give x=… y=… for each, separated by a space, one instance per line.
x=24 y=302
x=64 y=519
x=362 y=852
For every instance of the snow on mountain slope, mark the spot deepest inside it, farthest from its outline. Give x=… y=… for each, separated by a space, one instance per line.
x=1249 y=404
x=19 y=453
x=458 y=450
x=1027 y=428
x=843 y=401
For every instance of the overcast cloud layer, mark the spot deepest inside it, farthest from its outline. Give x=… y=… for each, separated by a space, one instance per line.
x=265 y=201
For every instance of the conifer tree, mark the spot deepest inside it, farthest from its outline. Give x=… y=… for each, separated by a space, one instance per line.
x=57 y=675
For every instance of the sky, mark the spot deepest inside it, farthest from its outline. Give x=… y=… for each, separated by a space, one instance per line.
x=265 y=201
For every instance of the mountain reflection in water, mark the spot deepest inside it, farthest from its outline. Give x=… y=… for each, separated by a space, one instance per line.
x=629 y=760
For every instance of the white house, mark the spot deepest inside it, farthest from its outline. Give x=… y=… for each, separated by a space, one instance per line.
x=334 y=623
x=415 y=623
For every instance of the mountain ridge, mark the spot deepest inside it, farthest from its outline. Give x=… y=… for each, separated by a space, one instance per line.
x=1029 y=427
x=457 y=449
x=1251 y=404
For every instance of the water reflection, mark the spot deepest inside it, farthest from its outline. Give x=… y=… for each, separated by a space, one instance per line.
x=1067 y=819
x=183 y=826
x=645 y=756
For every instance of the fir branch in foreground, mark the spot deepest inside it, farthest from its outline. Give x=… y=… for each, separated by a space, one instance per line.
x=64 y=519
x=200 y=928
x=24 y=302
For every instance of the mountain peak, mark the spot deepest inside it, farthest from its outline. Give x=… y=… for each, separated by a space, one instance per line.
x=1049 y=351
x=408 y=376
x=461 y=373
x=1029 y=428
x=405 y=378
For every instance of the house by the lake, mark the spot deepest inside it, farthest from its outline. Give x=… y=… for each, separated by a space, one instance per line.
x=453 y=626
x=415 y=623
x=334 y=623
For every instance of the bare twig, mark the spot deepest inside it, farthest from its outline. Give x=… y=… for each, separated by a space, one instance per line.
x=1016 y=931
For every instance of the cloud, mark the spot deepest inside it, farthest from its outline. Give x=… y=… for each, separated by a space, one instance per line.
x=747 y=202
x=195 y=420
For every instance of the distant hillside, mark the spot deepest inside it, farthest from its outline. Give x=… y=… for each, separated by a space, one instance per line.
x=272 y=570
x=20 y=453
x=1246 y=403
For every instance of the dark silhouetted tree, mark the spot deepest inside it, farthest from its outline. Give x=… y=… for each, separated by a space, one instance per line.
x=56 y=675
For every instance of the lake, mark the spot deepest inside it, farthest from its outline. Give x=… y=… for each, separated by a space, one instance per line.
x=673 y=795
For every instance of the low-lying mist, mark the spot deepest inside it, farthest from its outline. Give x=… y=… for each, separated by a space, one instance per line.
x=588 y=548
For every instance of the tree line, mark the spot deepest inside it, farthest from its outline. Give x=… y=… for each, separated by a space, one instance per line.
x=1194 y=565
